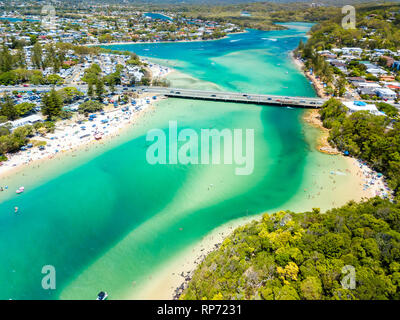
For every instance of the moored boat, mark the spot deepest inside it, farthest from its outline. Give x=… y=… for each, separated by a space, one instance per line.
x=20 y=190
x=102 y=295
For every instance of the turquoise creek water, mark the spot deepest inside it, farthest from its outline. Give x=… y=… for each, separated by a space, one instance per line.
x=155 y=15
x=111 y=220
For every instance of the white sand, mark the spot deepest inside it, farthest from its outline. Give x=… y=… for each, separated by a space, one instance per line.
x=69 y=135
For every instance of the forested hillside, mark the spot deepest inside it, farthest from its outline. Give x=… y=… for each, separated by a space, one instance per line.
x=371 y=138
x=296 y=256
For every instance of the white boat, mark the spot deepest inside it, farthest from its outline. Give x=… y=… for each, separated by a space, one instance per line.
x=20 y=190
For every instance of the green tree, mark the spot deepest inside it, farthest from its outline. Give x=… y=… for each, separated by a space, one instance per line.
x=54 y=79
x=7 y=108
x=99 y=89
x=90 y=90
x=37 y=55
x=6 y=59
x=52 y=104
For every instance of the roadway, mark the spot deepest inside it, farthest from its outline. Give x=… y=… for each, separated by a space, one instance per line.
x=239 y=97
x=223 y=96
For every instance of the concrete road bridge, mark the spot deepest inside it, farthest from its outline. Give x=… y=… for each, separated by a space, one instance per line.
x=238 y=97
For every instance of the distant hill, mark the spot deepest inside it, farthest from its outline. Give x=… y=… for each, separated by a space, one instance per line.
x=227 y=2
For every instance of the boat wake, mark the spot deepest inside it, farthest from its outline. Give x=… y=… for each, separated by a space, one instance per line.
x=338 y=173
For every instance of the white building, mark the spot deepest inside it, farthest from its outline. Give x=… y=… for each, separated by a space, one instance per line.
x=372 y=85
x=355 y=106
x=386 y=93
x=25 y=121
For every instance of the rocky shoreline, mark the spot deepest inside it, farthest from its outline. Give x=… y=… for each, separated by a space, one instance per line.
x=188 y=275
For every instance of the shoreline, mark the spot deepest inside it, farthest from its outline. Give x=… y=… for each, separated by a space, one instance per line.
x=26 y=159
x=312 y=118
x=77 y=150
x=172 y=279
x=175 y=272
x=318 y=86
x=21 y=160
x=155 y=42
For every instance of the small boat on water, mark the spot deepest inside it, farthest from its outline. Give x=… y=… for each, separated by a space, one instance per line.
x=20 y=190
x=102 y=295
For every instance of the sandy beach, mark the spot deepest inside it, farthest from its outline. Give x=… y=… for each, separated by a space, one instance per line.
x=317 y=84
x=67 y=139
x=169 y=281
x=313 y=119
x=172 y=279
x=69 y=136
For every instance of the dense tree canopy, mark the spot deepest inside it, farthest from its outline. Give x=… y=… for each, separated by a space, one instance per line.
x=288 y=256
x=375 y=139
x=90 y=107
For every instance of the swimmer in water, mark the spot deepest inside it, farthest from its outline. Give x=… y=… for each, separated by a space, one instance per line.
x=16 y=210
